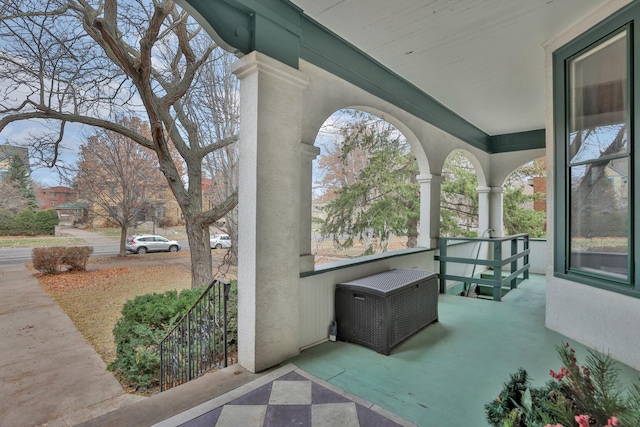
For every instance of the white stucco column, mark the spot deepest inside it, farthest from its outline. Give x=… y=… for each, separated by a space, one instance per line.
x=268 y=211
x=483 y=210
x=429 y=228
x=308 y=152
x=496 y=209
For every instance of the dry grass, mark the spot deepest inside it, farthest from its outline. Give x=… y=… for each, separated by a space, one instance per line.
x=93 y=299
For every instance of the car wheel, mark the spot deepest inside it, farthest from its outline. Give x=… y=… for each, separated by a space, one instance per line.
x=218 y=246
x=173 y=248
x=141 y=250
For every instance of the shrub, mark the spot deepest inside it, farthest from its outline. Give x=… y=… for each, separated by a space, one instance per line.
x=52 y=259
x=76 y=257
x=28 y=223
x=144 y=323
x=48 y=260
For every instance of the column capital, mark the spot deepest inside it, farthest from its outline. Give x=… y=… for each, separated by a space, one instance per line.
x=497 y=189
x=428 y=178
x=483 y=190
x=309 y=151
x=256 y=62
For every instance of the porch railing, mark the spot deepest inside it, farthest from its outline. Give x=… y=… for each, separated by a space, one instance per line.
x=497 y=282
x=198 y=342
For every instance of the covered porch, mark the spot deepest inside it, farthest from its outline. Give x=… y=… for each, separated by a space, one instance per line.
x=487 y=82
x=443 y=375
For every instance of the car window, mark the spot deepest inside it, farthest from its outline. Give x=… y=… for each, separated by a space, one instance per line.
x=161 y=239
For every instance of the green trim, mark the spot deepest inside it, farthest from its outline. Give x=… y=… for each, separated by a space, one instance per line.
x=328 y=51
x=611 y=25
x=282 y=31
x=519 y=141
x=341 y=265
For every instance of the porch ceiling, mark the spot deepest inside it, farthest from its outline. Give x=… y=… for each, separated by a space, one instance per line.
x=484 y=60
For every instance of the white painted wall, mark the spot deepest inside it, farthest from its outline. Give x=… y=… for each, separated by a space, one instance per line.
x=606 y=321
x=317 y=291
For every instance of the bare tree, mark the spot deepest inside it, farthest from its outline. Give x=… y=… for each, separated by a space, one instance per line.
x=220 y=101
x=91 y=61
x=119 y=178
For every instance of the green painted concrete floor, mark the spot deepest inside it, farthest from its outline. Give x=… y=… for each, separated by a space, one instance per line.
x=443 y=375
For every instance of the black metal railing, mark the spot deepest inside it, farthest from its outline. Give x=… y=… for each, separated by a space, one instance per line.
x=497 y=282
x=198 y=342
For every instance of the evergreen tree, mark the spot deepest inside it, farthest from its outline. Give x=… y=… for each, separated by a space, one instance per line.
x=374 y=190
x=17 y=177
x=459 y=201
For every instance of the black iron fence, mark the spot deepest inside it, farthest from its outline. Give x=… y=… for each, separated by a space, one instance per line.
x=198 y=342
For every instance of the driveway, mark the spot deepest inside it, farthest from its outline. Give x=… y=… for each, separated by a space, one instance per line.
x=49 y=374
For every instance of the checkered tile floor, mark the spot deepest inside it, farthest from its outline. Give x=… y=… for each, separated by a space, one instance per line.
x=292 y=398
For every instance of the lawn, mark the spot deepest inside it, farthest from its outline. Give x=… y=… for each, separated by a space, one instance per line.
x=93 y=299
x=37 y=241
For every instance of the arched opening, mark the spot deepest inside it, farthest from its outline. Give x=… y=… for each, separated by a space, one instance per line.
x=459 y=202
x=366 y=196
x=524 y=201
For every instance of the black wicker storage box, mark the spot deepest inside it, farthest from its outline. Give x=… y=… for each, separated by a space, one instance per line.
x=382 y=310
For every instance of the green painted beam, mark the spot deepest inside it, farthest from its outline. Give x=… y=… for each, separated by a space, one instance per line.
x=517 y=141
x=282 y=31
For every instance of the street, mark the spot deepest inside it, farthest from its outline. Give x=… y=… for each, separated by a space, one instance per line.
x=21 y=255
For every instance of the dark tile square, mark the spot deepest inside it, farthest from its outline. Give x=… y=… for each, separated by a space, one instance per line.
x=321 y=395
x=293 y=376
x=259 y=396
x=206 y=420
x=288 y=416
x=370 y=418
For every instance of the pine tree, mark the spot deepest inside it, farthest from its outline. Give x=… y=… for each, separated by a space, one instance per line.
x=372 y=175
x=17 y=177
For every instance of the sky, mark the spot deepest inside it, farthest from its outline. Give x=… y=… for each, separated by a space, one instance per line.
x=20 y=133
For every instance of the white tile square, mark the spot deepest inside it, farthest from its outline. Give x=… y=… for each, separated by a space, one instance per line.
x=334 y=414
x=242 y=415
x=290 y=393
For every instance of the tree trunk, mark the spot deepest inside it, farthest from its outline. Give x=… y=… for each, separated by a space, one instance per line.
x=123 y=240
x=201 y=266
x=412 y=232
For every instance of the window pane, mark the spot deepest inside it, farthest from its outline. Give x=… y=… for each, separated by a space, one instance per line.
x=598 y=101
x=600 y=217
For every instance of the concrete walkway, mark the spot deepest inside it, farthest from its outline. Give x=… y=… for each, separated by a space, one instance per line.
x=90 y=237
x=49 y=374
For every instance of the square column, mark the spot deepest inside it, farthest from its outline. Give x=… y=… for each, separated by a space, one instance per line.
x=429 y=229
x=496 y=200
x=268 y=211
x=308 y=152
x=484 y=221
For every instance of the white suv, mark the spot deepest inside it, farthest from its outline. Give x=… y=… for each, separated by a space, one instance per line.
x=143 y=243
x=219 y=241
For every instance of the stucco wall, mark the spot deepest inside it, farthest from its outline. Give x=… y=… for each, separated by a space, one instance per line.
x=606 y=321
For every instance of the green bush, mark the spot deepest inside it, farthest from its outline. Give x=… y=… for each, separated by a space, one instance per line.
x=52 y=259
x=28 y=223
x=144 y=323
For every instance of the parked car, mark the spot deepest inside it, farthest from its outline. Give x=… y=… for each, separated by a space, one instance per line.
x=219 y=241
x=143 y=243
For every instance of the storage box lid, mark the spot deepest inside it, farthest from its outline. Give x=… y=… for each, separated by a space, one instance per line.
x=388 y=282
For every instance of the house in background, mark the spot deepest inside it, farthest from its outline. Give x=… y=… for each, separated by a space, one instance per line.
x=506 y=81
x=6 y=154
x=50 y=197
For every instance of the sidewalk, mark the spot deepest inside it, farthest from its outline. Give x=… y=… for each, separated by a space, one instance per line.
x=49 y=374
x=90 y=237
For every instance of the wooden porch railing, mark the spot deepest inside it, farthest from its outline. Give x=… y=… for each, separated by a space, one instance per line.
x=497 y=263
